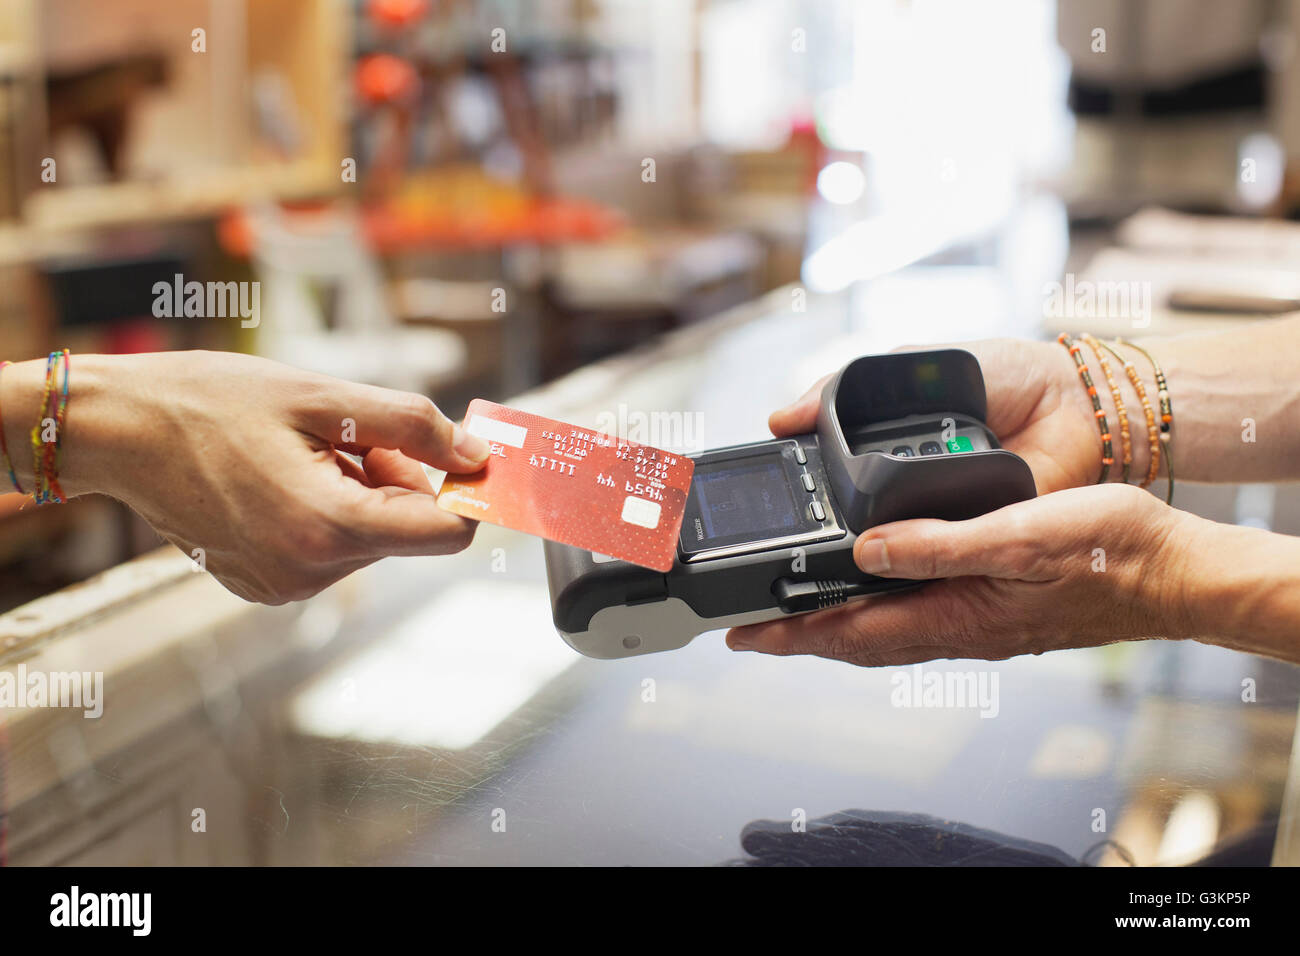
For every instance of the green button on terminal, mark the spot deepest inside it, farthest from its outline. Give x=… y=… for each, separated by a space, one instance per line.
x=959 y=444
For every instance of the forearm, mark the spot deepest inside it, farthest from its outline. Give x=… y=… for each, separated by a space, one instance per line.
x=1236 y=401
x=1239 y=587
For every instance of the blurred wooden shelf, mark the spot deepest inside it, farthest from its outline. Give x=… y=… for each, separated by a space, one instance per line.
x=200 y=140
x=54 y=218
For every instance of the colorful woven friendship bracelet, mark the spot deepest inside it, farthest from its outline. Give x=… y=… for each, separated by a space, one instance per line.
x=4 y=448
x=46 y=455
x=54 y=455
x=1107 y=448
x=40 y=495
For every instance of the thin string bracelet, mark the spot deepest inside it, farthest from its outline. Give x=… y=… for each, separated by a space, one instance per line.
x=1166 y=415
x=45 y=455
x=54 y=456
x=1153 y=431
x=40 y=493
x=4 y=448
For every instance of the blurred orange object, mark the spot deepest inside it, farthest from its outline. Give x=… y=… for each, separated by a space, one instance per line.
x=390 y=230
x=454 y=207
x=383 y=78
x=396 y=13
x=539 y=221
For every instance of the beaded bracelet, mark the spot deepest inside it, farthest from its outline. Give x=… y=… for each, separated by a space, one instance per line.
x=1121 y=412
x=1166 y=414
x=1107 y=449
x=1153 y=432
x=4 y=448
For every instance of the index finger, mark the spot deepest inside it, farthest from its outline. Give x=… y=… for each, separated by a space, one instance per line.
x=373 y=417
x=887 y=630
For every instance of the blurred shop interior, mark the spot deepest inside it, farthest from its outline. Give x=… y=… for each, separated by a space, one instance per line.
x=570 y=205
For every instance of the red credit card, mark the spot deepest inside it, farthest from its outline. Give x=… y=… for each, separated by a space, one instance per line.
x=574 y=485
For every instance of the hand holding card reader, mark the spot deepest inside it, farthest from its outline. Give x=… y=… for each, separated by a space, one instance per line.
x=769 y=527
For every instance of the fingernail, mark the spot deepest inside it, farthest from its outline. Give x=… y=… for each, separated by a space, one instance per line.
x=873 y=556
x=738 y=643
x=469 y=446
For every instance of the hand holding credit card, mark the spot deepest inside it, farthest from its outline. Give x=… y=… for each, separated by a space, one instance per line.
x=574 y=485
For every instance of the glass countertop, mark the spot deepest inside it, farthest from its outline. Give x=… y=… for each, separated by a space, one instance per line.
x=424 y=711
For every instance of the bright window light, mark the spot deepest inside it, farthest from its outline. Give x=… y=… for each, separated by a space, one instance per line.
x=444 y=676
x=841 y=183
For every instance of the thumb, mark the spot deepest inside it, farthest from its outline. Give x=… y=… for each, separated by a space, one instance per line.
x=923 y=548
x=801 y=416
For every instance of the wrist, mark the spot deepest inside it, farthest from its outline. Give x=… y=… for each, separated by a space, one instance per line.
x=1074 y=395
x=1239 y=588
x=1117 y=390
x=93 y=428
x=1139 y=440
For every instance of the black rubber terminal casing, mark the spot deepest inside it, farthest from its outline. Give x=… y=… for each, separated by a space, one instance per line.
x=874 y=489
